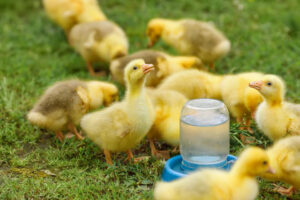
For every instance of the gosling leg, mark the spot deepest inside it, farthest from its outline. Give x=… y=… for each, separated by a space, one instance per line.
x=107 y=157
x=92 y=71
x=212 y=66
x=248 y=121
x=129 y=155
x=156 y=153
x=73 y=129
x=60 y=136
x=285 y=191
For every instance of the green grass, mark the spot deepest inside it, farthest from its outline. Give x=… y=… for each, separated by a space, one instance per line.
x=34 y=54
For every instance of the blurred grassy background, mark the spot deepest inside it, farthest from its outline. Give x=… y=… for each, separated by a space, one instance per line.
x=34 y=54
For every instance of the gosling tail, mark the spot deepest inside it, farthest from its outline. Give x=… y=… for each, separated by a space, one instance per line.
x=37 y=118
x=222 y=48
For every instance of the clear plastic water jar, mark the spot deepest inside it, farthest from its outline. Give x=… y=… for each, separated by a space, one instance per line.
x=204 y=134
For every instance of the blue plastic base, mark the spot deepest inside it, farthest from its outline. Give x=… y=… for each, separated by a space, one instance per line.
x=173 y=168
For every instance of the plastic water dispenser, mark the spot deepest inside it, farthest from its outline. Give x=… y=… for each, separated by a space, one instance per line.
x=204 y=139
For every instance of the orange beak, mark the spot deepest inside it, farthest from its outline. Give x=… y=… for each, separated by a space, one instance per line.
x=271 y=170
x=150 y=43
x=256 y=85
x=147 y=68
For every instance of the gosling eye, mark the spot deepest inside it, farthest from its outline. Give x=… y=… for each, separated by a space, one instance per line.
x=135 y=68
x=269 y=83
x=265 y=163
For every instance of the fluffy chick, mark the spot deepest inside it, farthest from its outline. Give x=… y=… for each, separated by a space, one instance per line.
x=123 y=125
x=285 y=160
x=272 y=117
x=190 y=37
x=239 y=98
x=214 y=184
x=98 y=41
x=67 y=13
x=164 y=65
x=194 y=84
x=167 y=105
x=63 y=104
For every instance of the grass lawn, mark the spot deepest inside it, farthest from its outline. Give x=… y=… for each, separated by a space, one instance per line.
x=265 y=36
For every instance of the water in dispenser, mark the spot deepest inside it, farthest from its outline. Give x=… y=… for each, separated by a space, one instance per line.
x=204 y=133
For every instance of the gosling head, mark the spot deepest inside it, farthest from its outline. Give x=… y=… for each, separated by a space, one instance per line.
x=154 y=31
x=254 y=161
x=101 y=93
x=271 y=88
x=136 y=71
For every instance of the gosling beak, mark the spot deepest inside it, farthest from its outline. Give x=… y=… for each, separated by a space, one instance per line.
x=271 y=170
x=256 y=85
x=150 y=44
x=147 y=68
